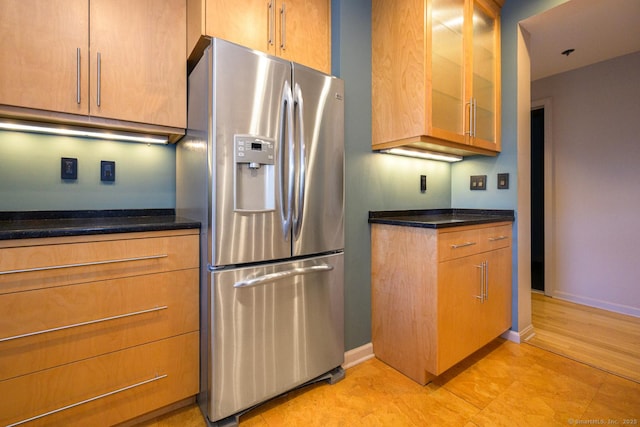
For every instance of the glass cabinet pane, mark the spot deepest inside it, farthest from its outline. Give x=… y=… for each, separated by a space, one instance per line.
x=484 y=60
x=447 y=67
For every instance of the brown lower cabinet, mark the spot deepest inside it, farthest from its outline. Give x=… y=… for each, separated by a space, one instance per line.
x=97 y=330
x=438 y=295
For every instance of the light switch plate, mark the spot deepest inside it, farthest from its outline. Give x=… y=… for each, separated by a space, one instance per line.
x=68 y=168
x=107 y=171
x=503 y=181
x=478 y=182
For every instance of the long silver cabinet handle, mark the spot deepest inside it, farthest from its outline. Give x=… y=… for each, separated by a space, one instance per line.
x=84 y=264
x=99 y=78
x=283 y=27
x=78 y=75
x=495 y=239
x=475 y=116
x=267 y=278
x=486 y=280
x=73 y=405
x=89 y=322
x=272 y=13
x=462 y=245
x=468 y=107
x=481 y=296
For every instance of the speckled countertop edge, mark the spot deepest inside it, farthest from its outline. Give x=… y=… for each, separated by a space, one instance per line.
x=37 y=224
x=440 y=218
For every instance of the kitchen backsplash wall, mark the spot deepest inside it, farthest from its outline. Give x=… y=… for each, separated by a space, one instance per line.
x=30 y=174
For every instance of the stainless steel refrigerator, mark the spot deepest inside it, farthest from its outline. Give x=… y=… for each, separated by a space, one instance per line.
x=262 y=167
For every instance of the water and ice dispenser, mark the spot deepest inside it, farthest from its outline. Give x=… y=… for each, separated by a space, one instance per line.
x=254 y=176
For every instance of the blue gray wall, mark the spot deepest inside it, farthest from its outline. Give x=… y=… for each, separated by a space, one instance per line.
x=30 y=174
x=373 y=181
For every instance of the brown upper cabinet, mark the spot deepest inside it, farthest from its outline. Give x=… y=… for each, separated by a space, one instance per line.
x=297 y=30
x=105 y=60
x=436 y=75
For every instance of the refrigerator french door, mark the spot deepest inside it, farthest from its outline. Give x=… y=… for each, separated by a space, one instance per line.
x=262 y=167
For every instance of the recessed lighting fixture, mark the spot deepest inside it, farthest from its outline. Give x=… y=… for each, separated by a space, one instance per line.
x=423 y=154
x=568 y=52
x=52 y=129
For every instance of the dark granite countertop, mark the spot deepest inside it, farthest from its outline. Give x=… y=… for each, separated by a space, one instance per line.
x=36 y=224
x=440 y=218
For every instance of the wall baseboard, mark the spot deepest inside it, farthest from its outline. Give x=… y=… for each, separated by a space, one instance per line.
x=358 y=355
x=519 y=336
x=363 y=353
x=597 y=303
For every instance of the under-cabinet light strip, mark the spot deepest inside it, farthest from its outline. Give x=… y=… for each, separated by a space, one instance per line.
x=82 y=132
x=423 y=154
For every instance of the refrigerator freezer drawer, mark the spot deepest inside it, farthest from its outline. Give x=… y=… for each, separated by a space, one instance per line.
x=276 y=326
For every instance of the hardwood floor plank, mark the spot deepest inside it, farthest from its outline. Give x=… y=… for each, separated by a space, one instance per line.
x=602 y=339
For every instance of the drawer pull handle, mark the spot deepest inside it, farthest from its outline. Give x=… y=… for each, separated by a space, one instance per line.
x=90 y=322
x=84 y=264
x=495 y=239
x=462 y=245
x=91 y=399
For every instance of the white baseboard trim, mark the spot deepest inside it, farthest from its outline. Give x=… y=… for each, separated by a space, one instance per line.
x=521 y=336
x=603 y=305
x=358 y=355
x=363 y=353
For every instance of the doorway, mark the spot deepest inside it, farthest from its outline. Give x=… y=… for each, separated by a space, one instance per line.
x=541 y=207
x=537 y=200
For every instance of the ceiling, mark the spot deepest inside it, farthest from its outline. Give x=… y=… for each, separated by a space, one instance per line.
x=598 y=30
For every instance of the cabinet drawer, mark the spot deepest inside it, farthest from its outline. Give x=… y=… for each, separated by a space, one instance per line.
x=47 y=265
x=105 y=390
x=43 y=328
x=456 y=244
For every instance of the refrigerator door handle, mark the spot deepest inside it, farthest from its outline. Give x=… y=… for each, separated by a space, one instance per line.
x=299 y=107
x=286 y=105
x=273 y=277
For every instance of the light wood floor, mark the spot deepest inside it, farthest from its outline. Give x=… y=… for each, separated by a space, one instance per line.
x=599 y=338
x=504 y=384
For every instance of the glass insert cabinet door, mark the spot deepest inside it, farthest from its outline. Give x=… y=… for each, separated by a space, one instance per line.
x=463 y=52
x=447 y=65
x=484 y=73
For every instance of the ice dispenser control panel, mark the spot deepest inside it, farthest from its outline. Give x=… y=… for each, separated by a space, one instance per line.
x=254 y=151
x=254 y=173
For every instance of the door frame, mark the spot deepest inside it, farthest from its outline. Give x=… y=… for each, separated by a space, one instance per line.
x=549 y=186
